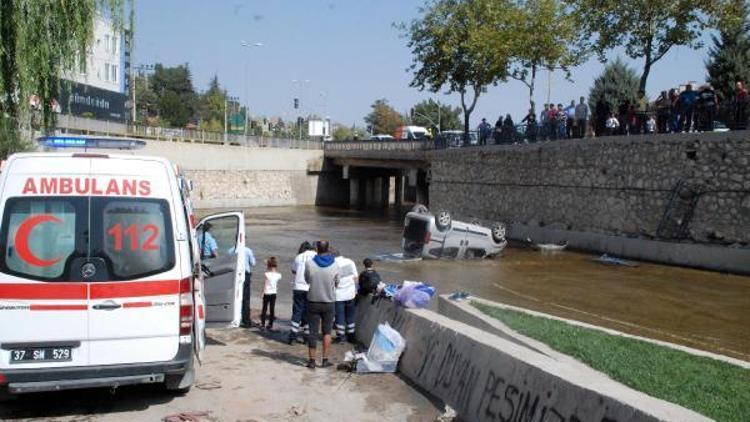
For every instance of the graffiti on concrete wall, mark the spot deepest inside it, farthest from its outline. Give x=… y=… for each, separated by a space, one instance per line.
x=451 y=370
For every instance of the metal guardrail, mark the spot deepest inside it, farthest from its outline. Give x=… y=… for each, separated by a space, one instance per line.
x=378 y=145
x=104 y=127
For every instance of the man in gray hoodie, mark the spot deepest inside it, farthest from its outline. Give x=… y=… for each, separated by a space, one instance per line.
x=322 y=275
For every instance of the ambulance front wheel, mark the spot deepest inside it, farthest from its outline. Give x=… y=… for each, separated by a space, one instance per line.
x=181 y=384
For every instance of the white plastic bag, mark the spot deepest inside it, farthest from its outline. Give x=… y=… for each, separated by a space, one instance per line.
x=385 y=350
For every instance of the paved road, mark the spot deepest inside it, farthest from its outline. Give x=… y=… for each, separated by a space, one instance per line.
x=246 y=377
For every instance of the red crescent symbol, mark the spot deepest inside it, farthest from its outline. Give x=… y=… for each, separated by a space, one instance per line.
x=22 y=240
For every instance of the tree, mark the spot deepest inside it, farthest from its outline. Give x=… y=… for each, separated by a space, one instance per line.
x=40 y=40
x=617 y=83
x=176 y=96
x=211 y=106
x=146 y=100
x=430 y=113
x=462 y=45
x=549 y=37
x=729 y=57
x=647 y=29
x=383 y=118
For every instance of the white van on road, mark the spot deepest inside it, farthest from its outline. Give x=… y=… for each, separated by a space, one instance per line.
x=100 y=272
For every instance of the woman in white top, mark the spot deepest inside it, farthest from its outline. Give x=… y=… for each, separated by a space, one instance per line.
x=269 y=293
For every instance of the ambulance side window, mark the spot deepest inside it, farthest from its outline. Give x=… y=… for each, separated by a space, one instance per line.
x=38 y=235
x=218 y=236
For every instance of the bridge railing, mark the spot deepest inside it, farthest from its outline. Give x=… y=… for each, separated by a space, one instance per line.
x=413 y=145
x=104 y=127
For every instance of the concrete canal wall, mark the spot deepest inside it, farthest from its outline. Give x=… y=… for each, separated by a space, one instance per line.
x=486 y=377
x=228 y=176
x=696 y=188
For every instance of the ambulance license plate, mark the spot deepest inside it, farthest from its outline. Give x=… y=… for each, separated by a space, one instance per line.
x=41 y=354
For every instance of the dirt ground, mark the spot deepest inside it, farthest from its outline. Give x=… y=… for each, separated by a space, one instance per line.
x=246 y=376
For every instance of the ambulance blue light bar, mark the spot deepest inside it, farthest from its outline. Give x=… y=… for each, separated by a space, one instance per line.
x=87 y=142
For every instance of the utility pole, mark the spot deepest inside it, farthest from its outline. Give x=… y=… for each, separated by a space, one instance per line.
x=225 y=119
x=131 y=38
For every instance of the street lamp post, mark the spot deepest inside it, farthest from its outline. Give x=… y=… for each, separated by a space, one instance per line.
x=246 y=44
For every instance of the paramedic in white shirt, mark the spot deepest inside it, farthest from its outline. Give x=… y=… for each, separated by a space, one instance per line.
x=299 y=291
x=345 y=294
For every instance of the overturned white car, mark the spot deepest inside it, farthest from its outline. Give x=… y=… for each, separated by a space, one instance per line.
x=437 y=236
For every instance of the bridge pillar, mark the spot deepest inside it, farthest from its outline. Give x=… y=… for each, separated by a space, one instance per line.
x=398 y=200
x=385 y=192
x=369 y=192
x=355 y=193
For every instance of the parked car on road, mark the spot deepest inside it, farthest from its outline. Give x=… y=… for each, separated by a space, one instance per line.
x=438 y=236
x=381 y=137
x=411 y=133
x=455 y=139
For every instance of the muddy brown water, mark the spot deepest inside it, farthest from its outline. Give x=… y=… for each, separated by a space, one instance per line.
x=701 y=309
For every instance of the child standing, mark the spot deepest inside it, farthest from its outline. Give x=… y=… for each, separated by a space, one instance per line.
x=269 y=293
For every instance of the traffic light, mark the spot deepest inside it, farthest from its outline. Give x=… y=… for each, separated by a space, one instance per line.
x=296 y=103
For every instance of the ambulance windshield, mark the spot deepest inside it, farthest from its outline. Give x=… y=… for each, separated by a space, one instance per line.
x=50 y=238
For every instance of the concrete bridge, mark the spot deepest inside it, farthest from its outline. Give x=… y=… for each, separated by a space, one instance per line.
x=379 y=173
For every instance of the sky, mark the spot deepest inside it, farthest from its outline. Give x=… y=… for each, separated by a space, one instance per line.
x=337 y=56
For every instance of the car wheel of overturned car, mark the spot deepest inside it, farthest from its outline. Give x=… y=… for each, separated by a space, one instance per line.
x=443 y=220
x=420 y=209
x=498 y=232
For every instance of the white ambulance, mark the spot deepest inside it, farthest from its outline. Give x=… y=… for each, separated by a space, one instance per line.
x=101 y=278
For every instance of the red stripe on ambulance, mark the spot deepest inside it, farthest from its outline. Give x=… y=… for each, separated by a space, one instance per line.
x=138 y=305
x=46 y=291
x=134 y=289
x=58 y=307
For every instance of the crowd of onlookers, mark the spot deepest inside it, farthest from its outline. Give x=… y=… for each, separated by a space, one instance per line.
x=674 y=111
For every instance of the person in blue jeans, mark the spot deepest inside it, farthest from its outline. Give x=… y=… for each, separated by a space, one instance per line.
x=687 y=101
x=346 y=292
x=299 y=291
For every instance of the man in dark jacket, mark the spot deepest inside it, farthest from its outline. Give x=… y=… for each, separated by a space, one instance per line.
x=368 y=280
x=322 y=275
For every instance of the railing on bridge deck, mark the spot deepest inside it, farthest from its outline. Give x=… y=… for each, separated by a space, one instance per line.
x=413 y=145
x=104 y=127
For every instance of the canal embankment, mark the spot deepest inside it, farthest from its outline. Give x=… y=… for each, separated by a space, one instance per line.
x=486 y=377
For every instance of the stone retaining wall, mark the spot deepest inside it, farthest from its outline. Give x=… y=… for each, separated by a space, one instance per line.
x=226 y=176
x=488 y=378
x=613 y=186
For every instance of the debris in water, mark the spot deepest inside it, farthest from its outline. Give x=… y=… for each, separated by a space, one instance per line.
x=611 y=260
x=547 y=247
x=397 y=257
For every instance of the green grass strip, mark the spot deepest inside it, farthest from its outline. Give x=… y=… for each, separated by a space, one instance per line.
x=713 y=388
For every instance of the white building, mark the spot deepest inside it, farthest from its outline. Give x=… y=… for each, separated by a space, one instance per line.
x=100 y=88
x=105 y=67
